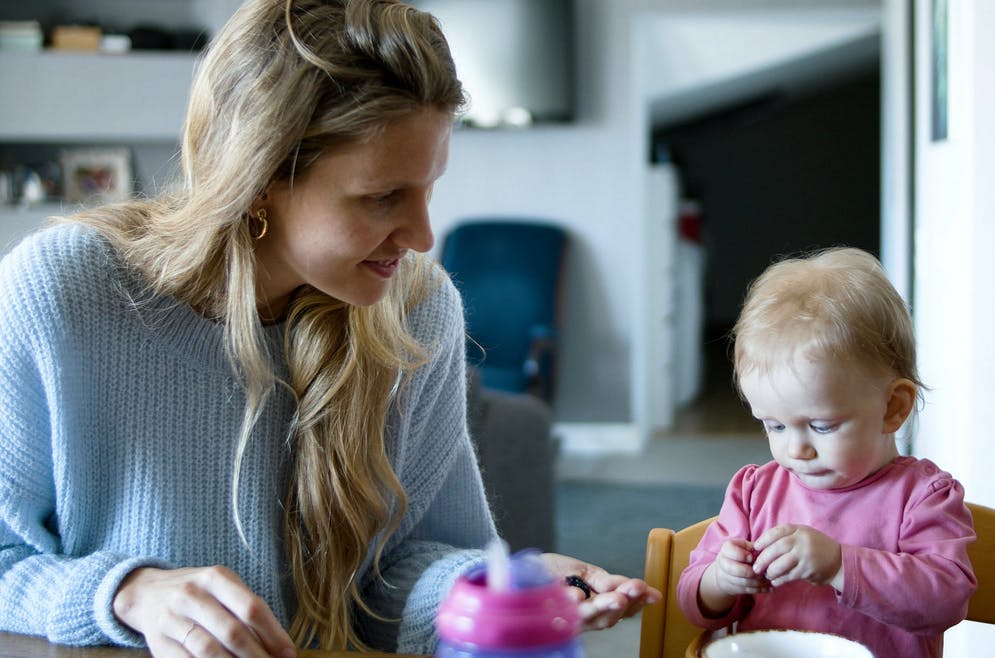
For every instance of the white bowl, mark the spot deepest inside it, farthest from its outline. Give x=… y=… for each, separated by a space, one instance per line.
x=784 y=644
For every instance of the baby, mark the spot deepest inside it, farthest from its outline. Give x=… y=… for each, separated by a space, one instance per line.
x=839 y=533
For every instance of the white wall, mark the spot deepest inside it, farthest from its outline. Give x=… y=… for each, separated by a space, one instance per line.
x=954 y=267
x=896 y=156
x=955 y=206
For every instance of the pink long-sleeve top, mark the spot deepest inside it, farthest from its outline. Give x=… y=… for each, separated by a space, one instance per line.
x=904 y=533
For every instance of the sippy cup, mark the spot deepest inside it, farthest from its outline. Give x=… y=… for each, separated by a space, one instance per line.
x=512 y=608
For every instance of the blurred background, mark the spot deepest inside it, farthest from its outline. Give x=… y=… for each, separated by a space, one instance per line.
x=679 y=145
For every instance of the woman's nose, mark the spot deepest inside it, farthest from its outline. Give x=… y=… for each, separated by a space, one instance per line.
x=416 y=231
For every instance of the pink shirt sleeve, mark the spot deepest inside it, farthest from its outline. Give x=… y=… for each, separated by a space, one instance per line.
x=733 y=522
x=925 y=585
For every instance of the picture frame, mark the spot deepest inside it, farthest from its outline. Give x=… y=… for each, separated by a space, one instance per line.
x=939 y=60
x=93 y=176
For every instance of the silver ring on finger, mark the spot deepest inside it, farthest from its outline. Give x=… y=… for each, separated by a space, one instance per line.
x=186 y=635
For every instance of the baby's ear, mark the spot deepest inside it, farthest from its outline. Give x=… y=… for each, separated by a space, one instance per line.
x=901 y=399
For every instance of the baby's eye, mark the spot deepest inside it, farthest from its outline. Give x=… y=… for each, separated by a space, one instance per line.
x=822 y=428
x=770 y=426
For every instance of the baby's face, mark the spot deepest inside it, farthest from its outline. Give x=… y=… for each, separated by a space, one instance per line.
x=825 y=422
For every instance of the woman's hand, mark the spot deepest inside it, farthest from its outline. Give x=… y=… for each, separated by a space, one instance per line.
x=798 y=552
x=200 y=612
x=612 y=598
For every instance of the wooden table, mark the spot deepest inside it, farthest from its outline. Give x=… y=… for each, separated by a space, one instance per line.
x=26 y=646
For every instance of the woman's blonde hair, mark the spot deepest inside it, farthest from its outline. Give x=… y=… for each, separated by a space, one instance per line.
x=282 y=83
x=834 y=303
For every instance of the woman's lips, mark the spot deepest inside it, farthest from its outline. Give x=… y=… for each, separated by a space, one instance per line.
x=383 y=268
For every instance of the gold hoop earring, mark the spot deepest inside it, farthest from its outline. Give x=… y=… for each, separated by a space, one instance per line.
x=264 y=224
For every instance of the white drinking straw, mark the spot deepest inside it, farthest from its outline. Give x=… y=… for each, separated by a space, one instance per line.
x=498 y=566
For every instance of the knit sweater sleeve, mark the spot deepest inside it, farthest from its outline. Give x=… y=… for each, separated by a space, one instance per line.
x=43 y=591
x=448 y=520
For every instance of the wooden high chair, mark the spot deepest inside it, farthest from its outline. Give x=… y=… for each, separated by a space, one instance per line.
x=665 y=633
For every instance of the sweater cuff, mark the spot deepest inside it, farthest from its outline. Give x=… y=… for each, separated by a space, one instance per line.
x=417 y=630
x=103 y=601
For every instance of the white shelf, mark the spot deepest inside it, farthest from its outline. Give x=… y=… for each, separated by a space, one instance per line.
x=54 y=96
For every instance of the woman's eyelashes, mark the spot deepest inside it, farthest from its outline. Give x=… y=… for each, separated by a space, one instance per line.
x=384 y=200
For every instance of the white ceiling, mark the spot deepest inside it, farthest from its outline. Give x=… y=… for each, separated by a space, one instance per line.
x=697 y=64
x=790 y=79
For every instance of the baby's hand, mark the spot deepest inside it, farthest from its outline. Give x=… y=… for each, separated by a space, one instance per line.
x=798 y=552
x=734 y=573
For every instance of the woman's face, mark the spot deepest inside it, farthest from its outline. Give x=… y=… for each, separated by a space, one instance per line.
x=344 y=224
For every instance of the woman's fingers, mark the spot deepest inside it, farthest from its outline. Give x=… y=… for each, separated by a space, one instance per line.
x=602 y=611
x=172 y=637
x=200 y=612
x=613 y=597
x=624 y=598
x=243 y=622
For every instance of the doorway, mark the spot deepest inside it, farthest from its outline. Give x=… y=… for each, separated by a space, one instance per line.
x=776 y=174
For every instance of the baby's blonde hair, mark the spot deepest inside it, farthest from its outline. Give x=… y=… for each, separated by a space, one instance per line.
x=834 y=303
x=284 y=82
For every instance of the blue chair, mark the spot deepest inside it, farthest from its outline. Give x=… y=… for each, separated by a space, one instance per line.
x=509 y=274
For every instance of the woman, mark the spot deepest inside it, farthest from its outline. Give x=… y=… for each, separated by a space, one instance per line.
x=239 y=407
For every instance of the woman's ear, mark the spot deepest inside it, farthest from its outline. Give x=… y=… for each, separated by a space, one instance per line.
x=901 y=400
x=259 y=201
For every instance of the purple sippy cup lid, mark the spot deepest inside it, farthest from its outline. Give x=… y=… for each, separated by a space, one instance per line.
x=533 y=610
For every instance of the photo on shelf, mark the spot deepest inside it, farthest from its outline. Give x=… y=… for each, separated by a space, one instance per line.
x=96 y=175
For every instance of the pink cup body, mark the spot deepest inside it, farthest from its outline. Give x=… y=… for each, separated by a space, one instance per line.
x=473 y=615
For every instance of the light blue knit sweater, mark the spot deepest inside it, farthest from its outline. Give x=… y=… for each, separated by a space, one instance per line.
x=118 y=423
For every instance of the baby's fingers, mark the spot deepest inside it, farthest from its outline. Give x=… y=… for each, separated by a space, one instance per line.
x=737 y=582
x=736 y=578
x=738 y=550
x=769 y=555
x=754 y=585
x=773 y=535
x=735 y=568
